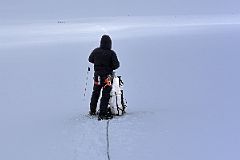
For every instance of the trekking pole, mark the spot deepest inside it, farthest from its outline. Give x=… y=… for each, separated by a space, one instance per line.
x=86 y=84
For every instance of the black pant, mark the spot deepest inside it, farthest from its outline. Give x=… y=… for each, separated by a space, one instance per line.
x=100 y=84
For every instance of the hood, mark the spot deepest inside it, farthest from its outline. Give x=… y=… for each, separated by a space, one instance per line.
x=106 y=42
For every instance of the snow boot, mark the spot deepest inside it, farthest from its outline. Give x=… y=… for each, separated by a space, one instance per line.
x=105 y=116
x=92 y=113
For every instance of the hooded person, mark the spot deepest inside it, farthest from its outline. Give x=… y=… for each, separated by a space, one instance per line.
x=105 y=61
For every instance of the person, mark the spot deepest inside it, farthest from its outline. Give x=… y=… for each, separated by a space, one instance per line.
x=105 y=61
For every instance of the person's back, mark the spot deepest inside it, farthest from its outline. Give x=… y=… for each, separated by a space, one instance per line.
x=105 y=61
x=103 y=58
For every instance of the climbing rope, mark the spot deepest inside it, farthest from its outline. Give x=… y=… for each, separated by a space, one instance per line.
x=107 y=137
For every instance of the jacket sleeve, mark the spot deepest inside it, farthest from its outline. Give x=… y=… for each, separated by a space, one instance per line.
x=115 y=62
x=91 y=57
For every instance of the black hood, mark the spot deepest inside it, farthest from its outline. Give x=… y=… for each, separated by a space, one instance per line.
x=106 y=42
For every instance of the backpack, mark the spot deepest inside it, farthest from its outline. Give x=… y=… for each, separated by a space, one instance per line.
x=117 y=103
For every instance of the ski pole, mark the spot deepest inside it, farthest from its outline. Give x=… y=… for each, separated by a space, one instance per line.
x=86 y=84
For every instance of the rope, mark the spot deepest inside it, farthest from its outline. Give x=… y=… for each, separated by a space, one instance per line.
x=108 y=153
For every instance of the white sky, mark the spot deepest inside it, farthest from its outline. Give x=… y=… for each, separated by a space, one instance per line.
x=26 y=9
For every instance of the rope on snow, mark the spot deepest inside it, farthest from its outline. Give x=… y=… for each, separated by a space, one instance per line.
x=107 y=137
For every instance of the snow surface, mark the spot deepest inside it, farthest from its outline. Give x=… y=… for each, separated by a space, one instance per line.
x=181 y=77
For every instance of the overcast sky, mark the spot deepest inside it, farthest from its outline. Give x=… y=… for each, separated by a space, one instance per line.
x=41 y=9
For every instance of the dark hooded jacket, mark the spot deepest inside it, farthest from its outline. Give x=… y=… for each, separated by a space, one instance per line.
x=104 y=58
